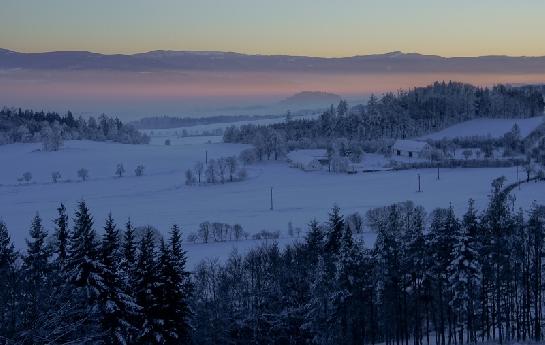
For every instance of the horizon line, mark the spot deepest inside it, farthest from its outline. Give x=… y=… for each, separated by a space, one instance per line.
x=272 y=55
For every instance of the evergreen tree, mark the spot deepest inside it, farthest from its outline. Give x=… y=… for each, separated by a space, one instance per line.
x=464 y=275
x=36 y=268
x=117 y=308
x=84 y=274
x=146 y=292
x=174 y=290
x=314 y=241
x=8 y=286
x=335 y=231
x=319 y=311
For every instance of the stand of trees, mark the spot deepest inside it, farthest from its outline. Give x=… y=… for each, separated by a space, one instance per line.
x=72 y=287
x=51 y=129
x=406 y=114
x=428 y=279
x=221 y=170
x=474 y=279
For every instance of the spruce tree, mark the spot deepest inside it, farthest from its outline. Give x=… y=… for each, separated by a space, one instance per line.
x=117 y=308
x=315 y=238
x=128 y=257
x=146 y=290
x=84 y=276
x=464 y=275
x=36 y=268
x=335 y=231
x=8 y=286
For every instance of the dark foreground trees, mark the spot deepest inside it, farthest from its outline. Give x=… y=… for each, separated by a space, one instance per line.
x=79 y=289
x=428 y=279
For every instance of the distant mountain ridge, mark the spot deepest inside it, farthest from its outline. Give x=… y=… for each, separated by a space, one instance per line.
x=394 y=62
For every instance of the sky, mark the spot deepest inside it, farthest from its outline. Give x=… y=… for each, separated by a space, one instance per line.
x=297 y=27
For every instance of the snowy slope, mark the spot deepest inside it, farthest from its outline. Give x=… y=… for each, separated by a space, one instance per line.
x=494 y=128
x=199 y=129
x=160 y=197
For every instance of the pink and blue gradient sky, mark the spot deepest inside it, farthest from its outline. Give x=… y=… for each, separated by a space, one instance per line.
x=298 y=27
x=327 y=28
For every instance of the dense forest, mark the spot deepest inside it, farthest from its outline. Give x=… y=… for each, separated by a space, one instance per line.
x=17 y=125
x=427 y=279
x=403 y=114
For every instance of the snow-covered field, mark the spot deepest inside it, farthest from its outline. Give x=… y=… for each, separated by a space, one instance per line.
x=160 y=198
x=494 y=128
x=200 y=129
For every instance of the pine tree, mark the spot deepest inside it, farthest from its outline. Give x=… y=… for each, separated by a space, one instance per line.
x=415 y=264
x=36 y=268
x=443 y=233
x=169 y=309
x=84 y=272
x=335 y=231
x=387 y=252
x=319 y=314
x=172 y=296
x=146 y=290
x=464 y=275
x=314 y=242
x=8 y=286
x=128 y=260
x=348 y=292
x=117 y=308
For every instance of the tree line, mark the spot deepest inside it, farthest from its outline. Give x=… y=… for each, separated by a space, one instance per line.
x=403 y=114
x=51 y=129
x=428 y=279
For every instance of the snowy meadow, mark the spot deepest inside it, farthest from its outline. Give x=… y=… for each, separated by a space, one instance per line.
x=160 y=197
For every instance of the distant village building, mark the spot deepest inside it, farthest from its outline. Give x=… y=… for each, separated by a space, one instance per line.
x=410 y=148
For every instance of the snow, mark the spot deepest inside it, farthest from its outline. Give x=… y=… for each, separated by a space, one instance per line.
x=494 y=128
x=410 y=145
x=307 y=159
x=208 y=128
x=161 y=198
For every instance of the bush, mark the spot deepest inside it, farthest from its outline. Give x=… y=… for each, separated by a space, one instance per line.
x=190 y=177
x=55 y=176
x=266 y=235
x=119 y=170
x=27 y=177
x=248 y=156
x=83 y=174
x=167 y=142
x=139 y=171
x=192 y=237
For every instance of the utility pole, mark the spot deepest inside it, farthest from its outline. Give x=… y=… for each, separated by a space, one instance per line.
x=419 y=189
x=437 y=171
x=206 y=157
x=272 y=199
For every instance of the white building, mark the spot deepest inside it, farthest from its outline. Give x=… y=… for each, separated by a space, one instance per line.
x=410 y=148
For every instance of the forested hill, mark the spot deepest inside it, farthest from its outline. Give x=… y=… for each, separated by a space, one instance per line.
x=405 y=114
x=18 y=125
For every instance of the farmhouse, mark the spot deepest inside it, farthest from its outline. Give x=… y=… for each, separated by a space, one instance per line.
x=410 y=148
x=308 y=160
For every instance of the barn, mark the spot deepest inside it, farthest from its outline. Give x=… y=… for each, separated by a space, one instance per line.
x=410 y=148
